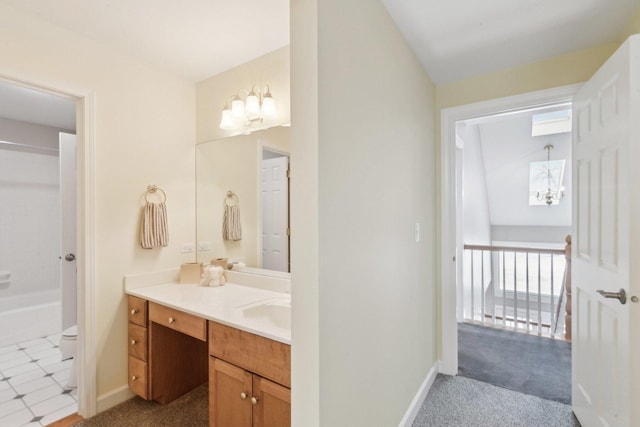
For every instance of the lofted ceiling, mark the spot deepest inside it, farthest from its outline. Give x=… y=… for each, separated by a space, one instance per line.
x=195 y=39
x=453 y=39
x=506 y=148
x=456 y=39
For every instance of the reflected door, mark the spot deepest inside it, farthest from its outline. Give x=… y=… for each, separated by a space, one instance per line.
x=275 y=213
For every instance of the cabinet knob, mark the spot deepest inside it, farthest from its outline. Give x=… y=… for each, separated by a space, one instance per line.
x=133 y=378
x=243 y=396
x=133 y=342
x=133 y=311
x=254 y=400
x=171 y=320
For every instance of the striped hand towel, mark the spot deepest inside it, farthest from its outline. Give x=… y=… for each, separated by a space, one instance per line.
x=153 y=228
x=231 y=226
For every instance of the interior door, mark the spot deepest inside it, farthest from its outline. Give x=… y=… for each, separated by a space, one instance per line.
x=68 y=273
x=606 y=230
x=275 y=213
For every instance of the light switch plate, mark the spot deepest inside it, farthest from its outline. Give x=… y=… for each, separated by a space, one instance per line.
x=188 y=247
x=416 y=232
x=204 y=246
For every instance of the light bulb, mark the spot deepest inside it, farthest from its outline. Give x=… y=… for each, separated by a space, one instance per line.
x=268 y=106
x=237 y=107
x=227 y=122
x=252 y=104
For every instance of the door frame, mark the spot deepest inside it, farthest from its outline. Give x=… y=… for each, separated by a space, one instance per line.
x=449 y=232
x=85 y=244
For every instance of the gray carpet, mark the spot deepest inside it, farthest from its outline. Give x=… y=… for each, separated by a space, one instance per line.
x=525 y=363
x=191 y=410
x=463 y=402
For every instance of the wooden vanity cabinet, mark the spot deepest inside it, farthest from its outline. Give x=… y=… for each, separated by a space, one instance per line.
x=138 y=346
x=249 y=379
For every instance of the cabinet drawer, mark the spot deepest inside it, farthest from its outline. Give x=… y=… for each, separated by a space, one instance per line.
x=138 y=341
x=180 y=321
x=267 y=358
x=138 y=311
x=138 y=377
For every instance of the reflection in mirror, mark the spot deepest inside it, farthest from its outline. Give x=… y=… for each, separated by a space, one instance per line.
x=254 y=168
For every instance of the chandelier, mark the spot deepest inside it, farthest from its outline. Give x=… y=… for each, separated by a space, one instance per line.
x=549 y=196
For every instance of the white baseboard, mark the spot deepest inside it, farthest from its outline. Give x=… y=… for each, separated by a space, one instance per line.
x=114 y=397
x=413 y=409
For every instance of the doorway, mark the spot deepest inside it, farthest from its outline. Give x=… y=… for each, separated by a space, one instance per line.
x=452 y=243
x=81 y=106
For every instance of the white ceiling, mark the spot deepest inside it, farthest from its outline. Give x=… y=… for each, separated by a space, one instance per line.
x=195 y=38
x=18 y=103
x=453 y=39
x=507 y=148
x=456 y=39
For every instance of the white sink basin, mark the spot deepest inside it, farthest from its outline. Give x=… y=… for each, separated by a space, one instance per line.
x=275 y=310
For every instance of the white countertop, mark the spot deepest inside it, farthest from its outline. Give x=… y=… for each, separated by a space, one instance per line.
x=222 y=304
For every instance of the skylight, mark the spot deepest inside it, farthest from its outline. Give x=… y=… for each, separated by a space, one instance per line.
x=551 y=123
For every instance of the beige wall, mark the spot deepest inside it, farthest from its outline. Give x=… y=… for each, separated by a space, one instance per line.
x=562 y=70
x=144 y=134
x=233 y=164
x=633 y=27
x=214 y=92
x=372 y=179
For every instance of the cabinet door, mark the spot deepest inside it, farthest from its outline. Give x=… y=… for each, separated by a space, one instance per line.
x=229 y=395
x=272 y=407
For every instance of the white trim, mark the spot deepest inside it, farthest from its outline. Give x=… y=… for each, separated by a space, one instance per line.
x=87 y=354
x=114 y=397
x=85 y=132
x=416 y=403
x=448 y=249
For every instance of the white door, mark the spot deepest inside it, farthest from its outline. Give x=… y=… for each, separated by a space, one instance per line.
x=68 y=275
x=275 y=214
x=606 y=245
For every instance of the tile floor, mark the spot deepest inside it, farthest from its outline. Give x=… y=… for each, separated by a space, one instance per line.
x=33 y=384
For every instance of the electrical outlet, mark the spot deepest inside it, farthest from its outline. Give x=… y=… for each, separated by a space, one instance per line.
x=204 y=246
x=188 y=247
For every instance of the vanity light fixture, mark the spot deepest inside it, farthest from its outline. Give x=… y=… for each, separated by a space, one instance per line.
x=258 y=105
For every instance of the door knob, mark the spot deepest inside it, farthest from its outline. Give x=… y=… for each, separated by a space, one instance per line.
x=70 y=257
x=621 y=295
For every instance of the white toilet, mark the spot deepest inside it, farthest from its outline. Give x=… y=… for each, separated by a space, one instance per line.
x=69 y=349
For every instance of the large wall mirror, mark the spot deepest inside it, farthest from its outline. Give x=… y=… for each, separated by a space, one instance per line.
x=249 y=171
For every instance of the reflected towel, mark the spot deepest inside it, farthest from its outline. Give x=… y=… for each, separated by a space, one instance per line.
x=231 y=227
x=153 y=228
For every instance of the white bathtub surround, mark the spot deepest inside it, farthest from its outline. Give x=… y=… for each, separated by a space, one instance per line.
x=32 y=383
x=30 y=220
x=29 y=316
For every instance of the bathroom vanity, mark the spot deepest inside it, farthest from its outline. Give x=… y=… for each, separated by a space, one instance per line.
x=235 y=337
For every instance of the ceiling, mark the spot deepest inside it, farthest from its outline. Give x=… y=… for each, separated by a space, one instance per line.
x=456 y=39
x=19 y=103
x=195 y=38
x=453 y=39
x=506 y=148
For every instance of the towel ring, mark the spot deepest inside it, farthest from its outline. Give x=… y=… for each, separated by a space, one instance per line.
x=231 y=196
x=153 y=189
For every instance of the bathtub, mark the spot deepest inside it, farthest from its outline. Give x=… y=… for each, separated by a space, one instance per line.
x=30 y=316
